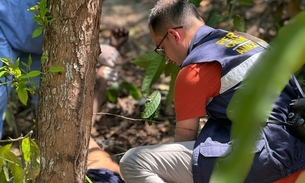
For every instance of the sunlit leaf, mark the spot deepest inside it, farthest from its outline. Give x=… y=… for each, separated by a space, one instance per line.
x=14 y=164
x=31 y=74
x=26 y=149
x=152 y=105
x=15 y=71
x=152 y=73
x=22 y=94
x=33 y=168
x=37 y=32
x=43 y=7
x=2 y=73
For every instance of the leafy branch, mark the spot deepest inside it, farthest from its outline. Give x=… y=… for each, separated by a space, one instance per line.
x=41 y=17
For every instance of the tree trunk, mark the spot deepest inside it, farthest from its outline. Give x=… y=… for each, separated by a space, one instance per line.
x=65 y=103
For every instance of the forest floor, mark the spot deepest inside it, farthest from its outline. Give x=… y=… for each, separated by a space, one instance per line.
x=117 y=134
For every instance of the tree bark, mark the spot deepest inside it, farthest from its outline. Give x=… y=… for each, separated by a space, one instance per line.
x=65 y=103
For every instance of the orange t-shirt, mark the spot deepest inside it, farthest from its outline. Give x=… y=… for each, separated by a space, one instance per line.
x=195 y=85
x=290 y=179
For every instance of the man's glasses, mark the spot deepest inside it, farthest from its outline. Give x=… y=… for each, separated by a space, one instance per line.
x=160 y=51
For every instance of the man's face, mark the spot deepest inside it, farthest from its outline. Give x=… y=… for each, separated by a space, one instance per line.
x=165 y=45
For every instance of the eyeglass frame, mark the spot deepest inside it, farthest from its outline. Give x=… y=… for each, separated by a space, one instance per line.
x=160 y=51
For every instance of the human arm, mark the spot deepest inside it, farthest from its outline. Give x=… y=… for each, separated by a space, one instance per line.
x=186 y=130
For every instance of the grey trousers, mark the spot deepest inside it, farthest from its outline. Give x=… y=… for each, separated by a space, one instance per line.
x=171 y=163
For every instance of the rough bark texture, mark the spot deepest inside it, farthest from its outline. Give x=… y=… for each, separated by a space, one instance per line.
x=65 y=103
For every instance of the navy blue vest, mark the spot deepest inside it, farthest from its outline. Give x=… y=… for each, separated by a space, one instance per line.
x=278 y=152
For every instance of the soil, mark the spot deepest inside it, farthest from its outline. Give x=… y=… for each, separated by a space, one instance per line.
x=117 y=134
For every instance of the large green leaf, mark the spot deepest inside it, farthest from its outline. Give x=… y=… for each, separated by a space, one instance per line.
x=145 y=59
x=152 y=105
x=31 y=155
x=171 y=70
x=13 y=162
x=253 y=101
x=152 y=73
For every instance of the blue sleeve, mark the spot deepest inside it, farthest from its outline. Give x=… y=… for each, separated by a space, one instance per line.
x=17 y=25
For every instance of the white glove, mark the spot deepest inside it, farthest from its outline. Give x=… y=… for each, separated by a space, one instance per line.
x=110 y=74
x=109 y=56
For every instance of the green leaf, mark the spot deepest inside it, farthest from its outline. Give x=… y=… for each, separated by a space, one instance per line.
x=33 y=155
x=3 y=177
x=152 y=105
x=132 y=90
x=13 y=162
x=196 y=2
x=26 y=149
x=56 y=69
x=37 y=32
x=33 y=8
x=6 y=61
x=254 y=100
x=15 y=71
x=31 y=74
x=231 y=4
x=6 y=172
x=2 y=73
x=30 y=61
x=152 y=73
x=9 y=117
x=22 y=94
x=43 y=8
x=239 y=24
x=171 y=69
x=146 y=59
x=112 y=93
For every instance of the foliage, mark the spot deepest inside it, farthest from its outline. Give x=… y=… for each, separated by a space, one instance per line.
x=20 y=169
x=285 y=56
x=21 y=78
x=116 y=88
x=155 y=65
x=40 y=10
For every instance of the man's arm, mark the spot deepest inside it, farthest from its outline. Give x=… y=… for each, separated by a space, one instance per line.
x=186 y=130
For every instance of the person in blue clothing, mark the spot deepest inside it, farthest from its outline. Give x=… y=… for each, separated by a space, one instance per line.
x=16 y=41
x=213 y=63
x=16 y=29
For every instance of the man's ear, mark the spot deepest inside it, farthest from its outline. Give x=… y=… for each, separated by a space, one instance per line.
x=175 y=34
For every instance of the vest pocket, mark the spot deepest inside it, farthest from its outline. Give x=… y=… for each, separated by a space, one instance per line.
x=207 y=152
x=211 y=148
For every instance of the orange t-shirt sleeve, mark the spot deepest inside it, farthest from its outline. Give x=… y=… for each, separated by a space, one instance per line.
x=195 y=85
x=290 y=179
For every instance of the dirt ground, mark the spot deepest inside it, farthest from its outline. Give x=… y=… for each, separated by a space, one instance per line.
x=117 y=134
